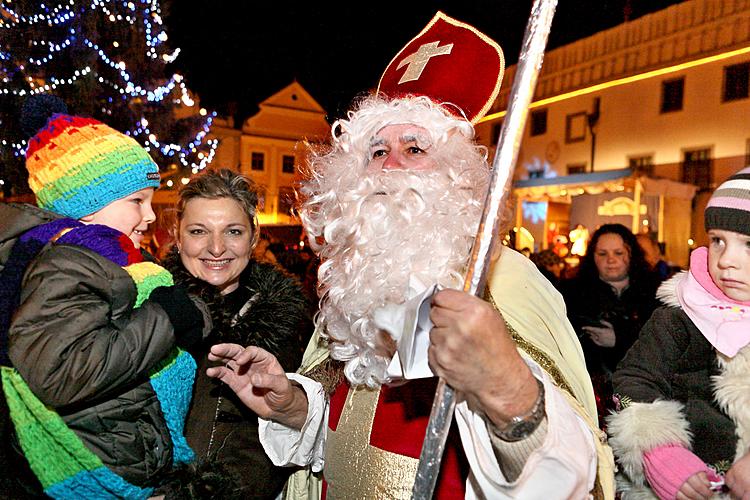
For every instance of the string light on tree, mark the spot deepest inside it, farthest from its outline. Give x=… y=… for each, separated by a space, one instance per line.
x=106 y=59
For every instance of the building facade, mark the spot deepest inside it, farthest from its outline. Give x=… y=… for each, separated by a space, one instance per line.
x=270 y=147
x=665 y=95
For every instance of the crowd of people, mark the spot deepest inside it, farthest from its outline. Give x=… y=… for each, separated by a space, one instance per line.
x=223 y=372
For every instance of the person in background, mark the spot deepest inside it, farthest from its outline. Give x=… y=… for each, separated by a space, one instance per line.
x=609 y=301
x=262 y=252
x=549 y=264
x=392 y=207
x=683 y=388
x=251 y=303
x=94 y=384
x=653 y=256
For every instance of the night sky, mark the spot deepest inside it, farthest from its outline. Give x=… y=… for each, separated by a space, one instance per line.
x=244 y=51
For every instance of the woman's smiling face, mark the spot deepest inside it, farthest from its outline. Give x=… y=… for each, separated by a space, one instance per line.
x=215 y=241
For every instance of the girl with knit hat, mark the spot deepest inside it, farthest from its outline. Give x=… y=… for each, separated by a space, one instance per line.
x=683 y=425
x=95 y=383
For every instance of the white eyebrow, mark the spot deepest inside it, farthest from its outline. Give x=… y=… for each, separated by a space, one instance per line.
x=377 y=141
x=421 y=140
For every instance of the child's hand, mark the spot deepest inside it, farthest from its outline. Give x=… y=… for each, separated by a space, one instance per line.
x=603 y=336
x=696 y=487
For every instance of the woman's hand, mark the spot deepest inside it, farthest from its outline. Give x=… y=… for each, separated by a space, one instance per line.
x=256 y=376
x=603 y=336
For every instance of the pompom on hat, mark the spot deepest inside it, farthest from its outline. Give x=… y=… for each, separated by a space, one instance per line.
x=451 y=63
x=78 y=165
x=729 y=206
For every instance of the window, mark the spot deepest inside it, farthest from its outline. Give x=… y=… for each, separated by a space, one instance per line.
x=642 y=164
x=576 y=168
x=256 y=161
x=287 y=164
x=736 y=82
x=538 y=122
x=696 y=168
x=672 y=92
x=286 y=200
x=575 y=127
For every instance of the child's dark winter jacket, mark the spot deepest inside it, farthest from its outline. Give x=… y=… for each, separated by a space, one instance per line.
x=675 y=387
x=84 y=351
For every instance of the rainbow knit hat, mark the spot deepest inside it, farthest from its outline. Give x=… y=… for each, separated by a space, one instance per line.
x=729 y=206
x=78 y=166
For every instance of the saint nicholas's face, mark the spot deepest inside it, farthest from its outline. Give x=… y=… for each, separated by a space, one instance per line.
x=401 y=147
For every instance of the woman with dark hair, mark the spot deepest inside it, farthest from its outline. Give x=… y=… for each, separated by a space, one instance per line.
x=610 y=299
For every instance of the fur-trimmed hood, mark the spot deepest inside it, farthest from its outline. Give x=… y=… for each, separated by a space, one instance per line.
x=667 y=292
x=272 y=317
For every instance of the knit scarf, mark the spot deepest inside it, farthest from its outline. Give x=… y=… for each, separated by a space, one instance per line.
x=59 y=459
x=724 y=322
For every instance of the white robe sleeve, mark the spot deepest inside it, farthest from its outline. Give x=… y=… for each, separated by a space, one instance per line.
x=563 y=467
x=287 y=446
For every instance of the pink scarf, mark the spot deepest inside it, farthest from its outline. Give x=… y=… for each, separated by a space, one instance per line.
x=724 y=322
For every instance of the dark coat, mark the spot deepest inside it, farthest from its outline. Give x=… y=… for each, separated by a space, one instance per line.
x=672 y=360
x=85 y=351
x=589 y=301
x=268 y=310
x=674 y=387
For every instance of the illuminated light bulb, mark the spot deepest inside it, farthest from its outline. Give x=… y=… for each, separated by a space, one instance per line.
x=203 y=112
x=195 y=170
x=170 y=183
x=185 y=180
x=115 y=44
x=691 y=242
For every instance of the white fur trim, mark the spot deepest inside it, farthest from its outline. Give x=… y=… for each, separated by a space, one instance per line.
x=732 y=392
x=643 y=426
x=667 y=292
x=629 y=491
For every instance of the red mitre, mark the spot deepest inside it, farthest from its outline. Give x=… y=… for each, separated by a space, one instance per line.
x=450 y=62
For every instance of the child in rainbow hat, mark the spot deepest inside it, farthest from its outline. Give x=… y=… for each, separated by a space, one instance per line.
x=95 y=382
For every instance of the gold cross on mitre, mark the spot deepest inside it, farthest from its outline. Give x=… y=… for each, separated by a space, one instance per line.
x=419 y=59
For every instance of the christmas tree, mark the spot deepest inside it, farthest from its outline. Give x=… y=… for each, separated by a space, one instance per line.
x=108 y=60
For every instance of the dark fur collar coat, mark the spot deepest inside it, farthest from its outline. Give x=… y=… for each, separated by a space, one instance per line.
x=268 y=310
x=272 y=312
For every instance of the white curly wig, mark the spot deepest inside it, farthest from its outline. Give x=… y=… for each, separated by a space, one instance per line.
x=379 y=232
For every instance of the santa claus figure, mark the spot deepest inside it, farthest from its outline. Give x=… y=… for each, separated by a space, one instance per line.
x=392 y=206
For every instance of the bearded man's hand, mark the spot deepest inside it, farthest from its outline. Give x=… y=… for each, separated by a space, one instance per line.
x=470 y=348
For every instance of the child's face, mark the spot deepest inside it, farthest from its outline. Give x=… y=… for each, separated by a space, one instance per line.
x=130 y=215
x=729 y=263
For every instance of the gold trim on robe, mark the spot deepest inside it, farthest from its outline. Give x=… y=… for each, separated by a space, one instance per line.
x=354 y=469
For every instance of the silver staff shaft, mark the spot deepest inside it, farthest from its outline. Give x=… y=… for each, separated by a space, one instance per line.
x=529 y=65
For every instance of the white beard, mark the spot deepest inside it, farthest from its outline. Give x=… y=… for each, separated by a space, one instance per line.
x=380 y=230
